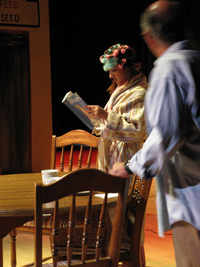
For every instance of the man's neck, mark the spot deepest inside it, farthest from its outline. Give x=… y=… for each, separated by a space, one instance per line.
x=161 y=48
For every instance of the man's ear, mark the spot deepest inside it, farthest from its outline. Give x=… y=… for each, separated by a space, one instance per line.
x=149 y=38
x=151 y=42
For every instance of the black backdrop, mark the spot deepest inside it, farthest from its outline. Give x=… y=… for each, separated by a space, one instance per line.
x=80 y=31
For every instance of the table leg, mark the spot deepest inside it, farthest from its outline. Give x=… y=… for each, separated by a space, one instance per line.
x=6 y=226
x=13 y=247
x=1 y=252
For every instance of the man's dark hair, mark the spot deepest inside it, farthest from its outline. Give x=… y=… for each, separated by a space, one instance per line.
x=169 y=26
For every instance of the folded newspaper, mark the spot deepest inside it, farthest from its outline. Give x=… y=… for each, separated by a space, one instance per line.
x=77 y=105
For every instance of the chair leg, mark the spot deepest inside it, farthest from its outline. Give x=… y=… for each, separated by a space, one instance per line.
x=1 y=252
x=142 y=259
x=126 y=264
x=142 y=256
x=13 y=247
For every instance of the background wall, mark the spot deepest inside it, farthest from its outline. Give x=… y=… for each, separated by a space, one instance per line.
x=80 y=32
x=40 y=80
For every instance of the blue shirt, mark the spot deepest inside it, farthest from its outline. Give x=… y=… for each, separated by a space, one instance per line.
x=172 y=149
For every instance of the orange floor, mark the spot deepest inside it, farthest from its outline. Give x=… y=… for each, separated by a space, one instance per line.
x=159 y=251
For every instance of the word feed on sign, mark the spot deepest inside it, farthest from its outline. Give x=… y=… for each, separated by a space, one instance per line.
x=19 y=12
x=9 y=17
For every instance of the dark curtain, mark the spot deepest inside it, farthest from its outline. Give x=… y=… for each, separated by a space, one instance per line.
x=15 y=115
x=80 y=31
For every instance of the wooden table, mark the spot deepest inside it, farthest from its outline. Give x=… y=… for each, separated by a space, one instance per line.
x=17 y=202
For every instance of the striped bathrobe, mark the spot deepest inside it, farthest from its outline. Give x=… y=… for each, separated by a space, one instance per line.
x=124 y=131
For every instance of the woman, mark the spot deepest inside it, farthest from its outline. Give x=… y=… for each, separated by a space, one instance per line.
x=123 y=128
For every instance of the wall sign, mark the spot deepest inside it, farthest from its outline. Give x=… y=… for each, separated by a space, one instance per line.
x=19 y=13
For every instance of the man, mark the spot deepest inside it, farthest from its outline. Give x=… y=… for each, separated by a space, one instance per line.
x=172 y=149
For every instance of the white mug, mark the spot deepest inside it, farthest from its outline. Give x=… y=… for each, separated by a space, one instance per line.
x=47 y=175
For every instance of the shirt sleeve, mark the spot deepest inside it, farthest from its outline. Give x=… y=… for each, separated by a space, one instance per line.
x=126 y=121
x=166 y=113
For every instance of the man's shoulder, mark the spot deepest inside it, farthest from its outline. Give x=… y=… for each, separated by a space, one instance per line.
x=182 y=56
x=175 y=62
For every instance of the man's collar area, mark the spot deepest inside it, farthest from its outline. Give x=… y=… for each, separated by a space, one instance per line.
x=172 y=50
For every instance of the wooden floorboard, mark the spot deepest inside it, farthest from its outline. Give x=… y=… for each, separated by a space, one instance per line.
x=159 y=251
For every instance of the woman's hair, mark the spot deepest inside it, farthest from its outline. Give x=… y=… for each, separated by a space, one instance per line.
x=122 y=56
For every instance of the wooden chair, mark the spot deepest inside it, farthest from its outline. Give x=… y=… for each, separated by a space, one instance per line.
x=76 y=141
x=135 y=215
x=75 y=137
x=132 y=229
x=77 y=181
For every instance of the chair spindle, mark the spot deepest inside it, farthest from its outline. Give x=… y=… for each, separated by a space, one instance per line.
x=71 y=230
x=101 y=228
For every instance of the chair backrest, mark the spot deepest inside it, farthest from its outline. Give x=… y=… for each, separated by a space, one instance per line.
x=135 y=214
x=68 y=140
x=92 y=180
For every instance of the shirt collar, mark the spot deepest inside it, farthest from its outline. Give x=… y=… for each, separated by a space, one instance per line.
x=172 y=49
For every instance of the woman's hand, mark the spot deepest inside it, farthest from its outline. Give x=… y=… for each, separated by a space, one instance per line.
x=96 y=111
